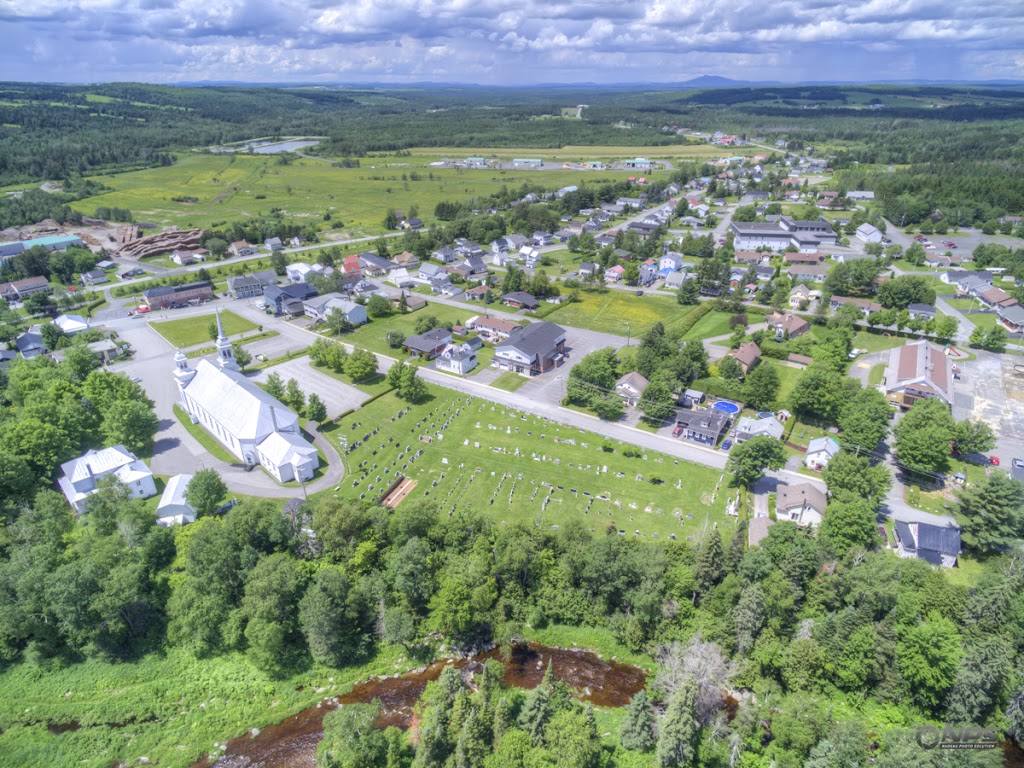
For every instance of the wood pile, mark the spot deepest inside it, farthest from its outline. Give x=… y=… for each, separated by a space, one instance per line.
x=164 y=242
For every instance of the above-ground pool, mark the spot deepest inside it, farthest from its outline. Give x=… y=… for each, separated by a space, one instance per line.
x=765 y=414
x=726 y=407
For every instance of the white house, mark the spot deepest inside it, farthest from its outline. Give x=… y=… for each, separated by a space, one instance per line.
x=820 y=452
x=531 y=255
x=173 y=509
x=803 y=504
x=631 y=387
x=242 y=417
x=748 y=427
x=670 y=261
x=71 y=324
x=868 y=233
x=80 y=476
x=457 y=358
x=320 y=307
x=299 y=271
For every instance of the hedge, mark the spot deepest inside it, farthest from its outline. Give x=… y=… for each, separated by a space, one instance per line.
x=691 y=319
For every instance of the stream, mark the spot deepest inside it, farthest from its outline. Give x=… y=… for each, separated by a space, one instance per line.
x=292 y=742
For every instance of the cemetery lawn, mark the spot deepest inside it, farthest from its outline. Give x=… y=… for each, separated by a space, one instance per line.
x=373 y=335
x=188 y=331
x=610 y=312
x=466 y=484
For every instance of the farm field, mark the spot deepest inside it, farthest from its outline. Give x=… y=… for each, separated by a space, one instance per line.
x=581 y=154
x=229 y=187
x=189 y=331
x=545 y=474
x=620 y=313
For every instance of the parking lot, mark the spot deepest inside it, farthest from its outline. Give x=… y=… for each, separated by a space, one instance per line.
x=550 y=387
x=991 y=390
x=337 y=396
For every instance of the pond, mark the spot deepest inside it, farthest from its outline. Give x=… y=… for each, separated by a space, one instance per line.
x=292 y=742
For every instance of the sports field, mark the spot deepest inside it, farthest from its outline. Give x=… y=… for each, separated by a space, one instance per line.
x=477 y=457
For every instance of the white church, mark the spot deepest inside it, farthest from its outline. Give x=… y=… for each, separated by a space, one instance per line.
x=254 y=426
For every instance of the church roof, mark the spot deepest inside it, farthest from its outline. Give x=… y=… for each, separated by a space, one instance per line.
x=241 y=407
x=286 y=448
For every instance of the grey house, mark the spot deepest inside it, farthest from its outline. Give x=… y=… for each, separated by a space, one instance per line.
x=702 y=426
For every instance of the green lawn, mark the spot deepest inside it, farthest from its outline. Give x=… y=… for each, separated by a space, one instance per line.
x=202 y=351
x=373 y=335
x=204 y=438
x=963 y=304
x=188 y=331
x=457 y=473
x=620 y=313
x=876 y=374
x=711 y=325
x=509 y=382
x=787 y=380
x=877 y=342
x=985 y=322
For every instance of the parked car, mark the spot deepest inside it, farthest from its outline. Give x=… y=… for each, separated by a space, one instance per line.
x=1017 y=463
x=261 y=357
x=994 y=460
x=727 y=445
x=677 y=431
x=639 y=293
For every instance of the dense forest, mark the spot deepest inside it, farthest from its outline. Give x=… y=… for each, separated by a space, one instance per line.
x=837 y=649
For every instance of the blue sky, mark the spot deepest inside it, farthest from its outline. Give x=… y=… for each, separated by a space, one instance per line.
x=506 y=42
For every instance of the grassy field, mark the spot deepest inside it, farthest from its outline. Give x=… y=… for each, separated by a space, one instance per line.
x=173 y=707
x=229 y=187
x=576 y=154
x=876 y=374
x=708 y=327
x=620 y=313
x=188 y=331
x=877 y=342
x=524 y=449
x=509 y=382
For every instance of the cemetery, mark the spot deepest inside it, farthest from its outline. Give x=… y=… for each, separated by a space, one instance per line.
x=474 y=455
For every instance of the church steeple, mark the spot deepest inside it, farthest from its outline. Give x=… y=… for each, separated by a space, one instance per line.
x=225 y=354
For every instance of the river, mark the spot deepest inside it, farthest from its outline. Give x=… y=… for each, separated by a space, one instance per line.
x=292 y=742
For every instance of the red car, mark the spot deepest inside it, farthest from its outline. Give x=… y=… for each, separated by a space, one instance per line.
x=994 y=460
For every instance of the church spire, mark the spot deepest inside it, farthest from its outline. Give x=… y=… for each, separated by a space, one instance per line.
x=225 y=354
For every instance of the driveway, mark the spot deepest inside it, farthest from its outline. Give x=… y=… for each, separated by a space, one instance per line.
x=861 y=368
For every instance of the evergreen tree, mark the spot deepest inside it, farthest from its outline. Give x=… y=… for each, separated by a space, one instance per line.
x=275 y=386
x=710 y=562
x=992 y=513
x=294 y=395
x=637 y=730
x=678 y=730
x=315 y=408
x=471 y=748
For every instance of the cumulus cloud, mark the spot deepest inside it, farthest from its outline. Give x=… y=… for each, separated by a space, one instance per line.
x=506 y=41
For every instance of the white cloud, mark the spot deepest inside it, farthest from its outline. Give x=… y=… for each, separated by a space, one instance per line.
x=504 y=41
